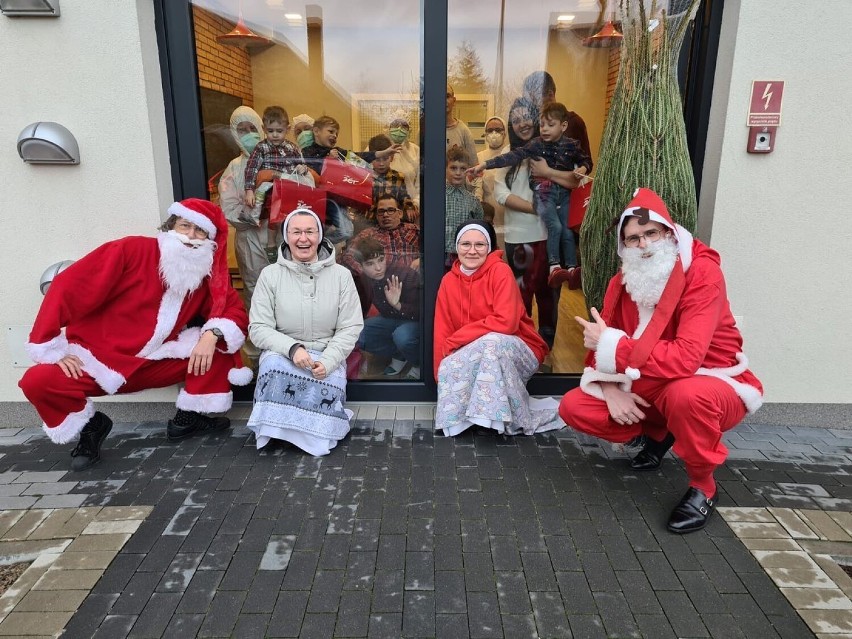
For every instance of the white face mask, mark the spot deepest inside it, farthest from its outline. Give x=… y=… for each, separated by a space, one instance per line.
x=495 y=140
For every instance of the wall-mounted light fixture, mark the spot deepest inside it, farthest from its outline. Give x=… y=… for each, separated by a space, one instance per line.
x=48 y=143
x=30 y=8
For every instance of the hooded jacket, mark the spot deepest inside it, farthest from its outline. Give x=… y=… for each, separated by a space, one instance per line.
x=314 y=304
x=488 y=301
x=232 y=182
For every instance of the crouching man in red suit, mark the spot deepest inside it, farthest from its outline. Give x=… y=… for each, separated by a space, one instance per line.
x=137 y=313
x=665 y=357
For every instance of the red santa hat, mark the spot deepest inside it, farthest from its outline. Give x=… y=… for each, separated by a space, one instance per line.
x=206 y=215
x=648 y=206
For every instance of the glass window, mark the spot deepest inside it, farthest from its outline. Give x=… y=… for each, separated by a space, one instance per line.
x=508 y=63
x=318 y=106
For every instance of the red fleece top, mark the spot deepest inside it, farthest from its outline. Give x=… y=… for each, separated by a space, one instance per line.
x=488 y=301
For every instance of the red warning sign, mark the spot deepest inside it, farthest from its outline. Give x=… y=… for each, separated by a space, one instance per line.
x=765 y=106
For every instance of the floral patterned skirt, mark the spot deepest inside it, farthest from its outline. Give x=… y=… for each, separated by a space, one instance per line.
x=484 y=384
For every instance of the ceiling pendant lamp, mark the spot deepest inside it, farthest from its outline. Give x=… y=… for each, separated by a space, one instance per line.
x=242 y=36
x=608 y=36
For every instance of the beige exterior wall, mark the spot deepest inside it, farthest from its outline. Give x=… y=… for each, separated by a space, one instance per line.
x=781 y=221
x=96 y=71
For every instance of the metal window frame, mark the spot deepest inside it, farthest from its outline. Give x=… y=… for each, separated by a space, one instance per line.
x=174 y=29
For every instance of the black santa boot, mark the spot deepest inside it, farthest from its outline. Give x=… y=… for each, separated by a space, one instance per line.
x=652 y=453
x=87 y=452
x=187 y=423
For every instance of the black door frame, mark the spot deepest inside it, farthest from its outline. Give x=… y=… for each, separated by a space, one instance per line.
x=186 y=149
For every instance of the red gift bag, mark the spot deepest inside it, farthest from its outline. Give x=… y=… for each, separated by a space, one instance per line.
x=578 y=204
x=288 y=196
x=348 y=184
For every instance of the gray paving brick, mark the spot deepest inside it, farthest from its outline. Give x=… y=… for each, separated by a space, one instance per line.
x=263 y=593
x=656 y=626
x=599 y=571
x=451 y=626
x=200 y=592
x=353 y=619
x=115 y=627
x=179 y=573
x=222 y=617
x=385 y=626
x=156 y=615
x=549 y=613
x=300 y=572
x=513 y=593
x=241 y=571
x=638 y=592
x=478 y=572
x=518 y=625
x=278 y=552
x=136 y=594
x=316 y=626
x=483 y=615
x=183 y=625
x=325 y=591
x=89 y=615
x=659 y=571
x=682 y=615
x=288 y=614
x=576 y=594
x=388 y=591
x=360 y=570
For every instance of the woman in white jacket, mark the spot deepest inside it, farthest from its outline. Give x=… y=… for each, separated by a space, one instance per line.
x=306 y=317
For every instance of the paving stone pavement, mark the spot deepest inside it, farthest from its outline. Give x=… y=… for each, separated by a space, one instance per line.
x=403 y=533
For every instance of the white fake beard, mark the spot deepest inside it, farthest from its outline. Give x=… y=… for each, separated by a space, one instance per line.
x=644 y=277
x=181 y=267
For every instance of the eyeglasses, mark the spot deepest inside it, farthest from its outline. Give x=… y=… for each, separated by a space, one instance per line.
x=389 y=211
x=477 y=246
x=495 y=130
x=188 y=227
x=310 y=233
x=649 y=236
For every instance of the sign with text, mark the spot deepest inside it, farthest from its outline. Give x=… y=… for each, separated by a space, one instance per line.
x=765 y=106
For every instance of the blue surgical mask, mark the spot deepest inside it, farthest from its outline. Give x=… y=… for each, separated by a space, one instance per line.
x=249 y=141
x=305 y=139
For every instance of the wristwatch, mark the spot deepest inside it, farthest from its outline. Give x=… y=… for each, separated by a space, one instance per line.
x=219 y=334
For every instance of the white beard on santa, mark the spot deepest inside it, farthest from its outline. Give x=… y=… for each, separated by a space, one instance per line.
x=645 y=271
x=184 y=263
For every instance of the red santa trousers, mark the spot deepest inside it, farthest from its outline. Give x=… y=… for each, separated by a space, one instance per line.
x=56 y=396
x=696 y=410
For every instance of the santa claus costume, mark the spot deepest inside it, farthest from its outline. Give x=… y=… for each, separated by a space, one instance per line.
x=132 y=311
x=676 y=347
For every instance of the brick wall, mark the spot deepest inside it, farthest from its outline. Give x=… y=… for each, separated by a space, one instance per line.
x=221 y=68
x=612 y=75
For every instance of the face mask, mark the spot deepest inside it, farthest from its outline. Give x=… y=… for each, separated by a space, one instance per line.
x=398 y=135
x=305 y=139
x=495 y=140
x=249 y=141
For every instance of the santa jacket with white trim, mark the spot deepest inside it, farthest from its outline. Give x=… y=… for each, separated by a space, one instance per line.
x=118 y=314
x=701 y=337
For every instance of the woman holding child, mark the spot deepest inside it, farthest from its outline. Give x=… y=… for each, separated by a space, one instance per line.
x=306 y=317
x=486 y=347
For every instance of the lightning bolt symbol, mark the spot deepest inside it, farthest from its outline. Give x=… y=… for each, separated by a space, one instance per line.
x=767 y=95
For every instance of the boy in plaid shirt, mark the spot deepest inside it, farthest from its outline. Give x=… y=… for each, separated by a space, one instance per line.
x=460 y=204
x=275 y=153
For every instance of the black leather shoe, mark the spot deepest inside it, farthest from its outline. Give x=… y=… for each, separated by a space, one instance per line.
x=87 y=452
x=651 y=455
x=692 y=512
x=188 y=423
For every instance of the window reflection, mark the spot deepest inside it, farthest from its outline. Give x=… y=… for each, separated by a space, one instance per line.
x=320 y=111
x=507 y=63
